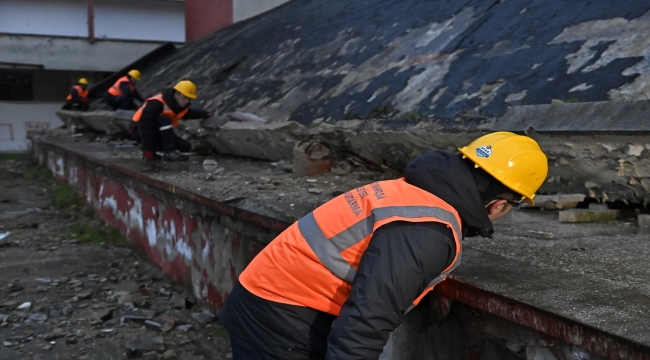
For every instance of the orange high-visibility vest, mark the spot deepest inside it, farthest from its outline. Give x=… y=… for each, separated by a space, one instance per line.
x=313 y=262
x=83 y=94
x=166 y=110
x=115 y=89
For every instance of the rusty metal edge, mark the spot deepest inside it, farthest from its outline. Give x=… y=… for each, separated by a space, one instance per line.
x=245 y=215
x=572 y=332
x=600 y=342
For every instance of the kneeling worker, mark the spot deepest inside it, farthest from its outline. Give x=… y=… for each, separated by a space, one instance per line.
x=77 y=97
x=122 y=94
x=336 y=283
x=158 y=117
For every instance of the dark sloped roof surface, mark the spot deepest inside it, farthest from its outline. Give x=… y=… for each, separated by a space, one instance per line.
x=335 y=59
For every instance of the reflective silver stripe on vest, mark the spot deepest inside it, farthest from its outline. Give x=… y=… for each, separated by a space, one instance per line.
x=363 y=228
x=324 y=249
x=328 y=250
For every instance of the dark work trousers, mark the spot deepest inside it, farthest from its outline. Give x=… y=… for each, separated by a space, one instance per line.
x=120 y=102
x=158 y=135
x=133 y=130
x=241 y=350
x=71 y=105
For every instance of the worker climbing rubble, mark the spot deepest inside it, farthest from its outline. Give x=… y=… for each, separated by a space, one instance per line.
x=77 y=97
x=153 y=124
x=122 y=95
x=336 y=283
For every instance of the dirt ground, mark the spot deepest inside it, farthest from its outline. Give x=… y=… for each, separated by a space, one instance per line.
x=72 y=288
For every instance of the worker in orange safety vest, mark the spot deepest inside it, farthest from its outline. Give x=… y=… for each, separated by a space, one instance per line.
x=154 y=122
x=122 y=95
x=77 y=98
x=337 y=282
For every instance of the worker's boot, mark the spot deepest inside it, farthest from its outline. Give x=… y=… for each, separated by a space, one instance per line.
x=150 y=160
x=170 y=156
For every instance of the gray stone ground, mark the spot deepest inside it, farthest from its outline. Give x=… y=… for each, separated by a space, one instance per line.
x=71 y=287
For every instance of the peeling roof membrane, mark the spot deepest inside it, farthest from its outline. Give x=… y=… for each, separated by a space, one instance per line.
x=336 y=60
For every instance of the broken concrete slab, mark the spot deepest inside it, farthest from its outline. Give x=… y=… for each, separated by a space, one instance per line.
x=587 y=215
x=149 y=344
x=102 y=120
x=559 y=201
x=257 y=140
x=643 y=220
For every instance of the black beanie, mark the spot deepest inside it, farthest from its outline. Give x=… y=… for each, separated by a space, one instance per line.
x=488 y=186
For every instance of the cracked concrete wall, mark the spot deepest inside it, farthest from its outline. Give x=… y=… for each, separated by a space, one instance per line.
x=334 y=60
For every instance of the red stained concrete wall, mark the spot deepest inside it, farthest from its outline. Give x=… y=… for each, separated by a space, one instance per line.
x=202 y=249
x=205 y=16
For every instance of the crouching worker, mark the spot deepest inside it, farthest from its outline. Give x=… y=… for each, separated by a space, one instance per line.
x=336 y=283
x=122 y=95
x=158 y=117
x=77 y=97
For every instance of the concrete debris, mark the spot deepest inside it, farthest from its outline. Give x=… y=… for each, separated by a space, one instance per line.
x=204 y=317
x=4 y=235
x=55 y=334
x=85 y=295
x=148 y=344
x=311 y=158
x=214 y=122
x=74 y=296
x=598 y=206
x=106 y=314
x=184 y=328
x=169 y=355
x=210 y=164
x=587 y=215
x=559 y=201
x=24 y=306
x=644 y=220
x=314 y=191
x=40 y=317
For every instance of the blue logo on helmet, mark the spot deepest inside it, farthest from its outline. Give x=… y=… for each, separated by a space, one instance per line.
x=484 y=151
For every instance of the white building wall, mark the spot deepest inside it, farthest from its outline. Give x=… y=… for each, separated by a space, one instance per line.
x=70 y=54
x=43 y=17
x=147 y=20
x=244 y=9
x=16 y=118
x=151 y=20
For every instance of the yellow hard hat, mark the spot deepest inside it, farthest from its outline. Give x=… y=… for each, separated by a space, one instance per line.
x=135 y=74
x=186 y=88
x=83 y=81
x=515 y=160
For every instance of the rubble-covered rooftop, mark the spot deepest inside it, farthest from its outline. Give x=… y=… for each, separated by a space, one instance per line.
x=335 y=60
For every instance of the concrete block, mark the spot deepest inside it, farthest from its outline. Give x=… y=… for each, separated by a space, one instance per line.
x=598 y=206
x=644 y=220
x=587 y=215
x=559 y=201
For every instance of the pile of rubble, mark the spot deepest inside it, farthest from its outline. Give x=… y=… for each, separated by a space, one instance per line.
x=72 y=288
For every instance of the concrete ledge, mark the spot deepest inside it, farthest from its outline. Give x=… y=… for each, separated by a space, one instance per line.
x=205 y=244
